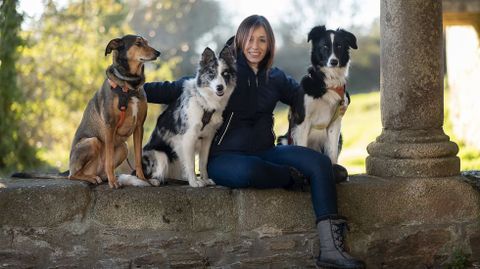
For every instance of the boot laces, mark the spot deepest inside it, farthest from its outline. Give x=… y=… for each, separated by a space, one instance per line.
x=339 y=229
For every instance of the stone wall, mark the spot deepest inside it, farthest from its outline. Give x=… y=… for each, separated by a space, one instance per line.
x=403 y=223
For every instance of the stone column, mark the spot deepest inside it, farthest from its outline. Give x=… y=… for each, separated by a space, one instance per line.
x=412 y=142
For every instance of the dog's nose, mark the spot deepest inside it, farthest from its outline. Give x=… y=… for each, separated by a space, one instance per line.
x=157 y=53
x=220 y=87
x=334 y=62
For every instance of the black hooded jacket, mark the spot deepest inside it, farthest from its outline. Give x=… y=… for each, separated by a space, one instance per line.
x=248 y=118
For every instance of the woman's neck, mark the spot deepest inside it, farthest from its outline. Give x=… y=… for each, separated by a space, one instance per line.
x=254 y=67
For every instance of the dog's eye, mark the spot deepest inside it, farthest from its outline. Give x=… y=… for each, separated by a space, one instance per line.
x=211 y=75
x=225 y=74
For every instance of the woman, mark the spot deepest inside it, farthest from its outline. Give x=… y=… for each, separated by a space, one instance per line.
x=243 y=153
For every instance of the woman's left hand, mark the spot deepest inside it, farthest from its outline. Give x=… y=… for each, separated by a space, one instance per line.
x=342 y=110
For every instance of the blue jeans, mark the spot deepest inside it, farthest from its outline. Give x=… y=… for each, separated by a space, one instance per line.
x=270 y=169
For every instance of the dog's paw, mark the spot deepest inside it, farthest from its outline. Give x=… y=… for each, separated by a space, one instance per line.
x=114 y=184
x=156 y=182
x=197 y=183
x=129 y=180
x=98 y=179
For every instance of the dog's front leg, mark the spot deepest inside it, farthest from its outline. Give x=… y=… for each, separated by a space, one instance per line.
x=333 y=137
x=300 y=134
x=137 y=145
x=186 y=154
x=206 y=142
x=109 y=155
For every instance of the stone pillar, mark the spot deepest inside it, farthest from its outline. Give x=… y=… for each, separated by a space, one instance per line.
x=412 y=142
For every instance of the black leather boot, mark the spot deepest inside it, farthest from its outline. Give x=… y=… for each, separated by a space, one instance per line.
x=332 y=252
x=340 y=173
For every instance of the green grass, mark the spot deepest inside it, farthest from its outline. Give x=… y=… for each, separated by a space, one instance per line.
x=362 y=124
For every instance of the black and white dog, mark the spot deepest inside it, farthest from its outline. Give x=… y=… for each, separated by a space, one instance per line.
x=188 y=125
x=316 y=121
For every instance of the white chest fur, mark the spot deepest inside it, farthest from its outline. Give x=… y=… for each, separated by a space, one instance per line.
x=134 y=105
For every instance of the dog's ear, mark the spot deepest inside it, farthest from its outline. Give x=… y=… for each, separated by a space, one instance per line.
x=114 y=44
x=227 y=55
x=231 y=45
x=207 y=56
x=351 y=39
x=316 y=32
x=230 y=41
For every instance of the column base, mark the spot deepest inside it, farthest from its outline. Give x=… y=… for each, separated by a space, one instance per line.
x=413 y=153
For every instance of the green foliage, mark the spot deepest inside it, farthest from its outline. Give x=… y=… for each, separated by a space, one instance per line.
x=16 y=151
x=458 y=260
x=178 y=28
x=61 y=67
x=62 y=64
x=364 y=74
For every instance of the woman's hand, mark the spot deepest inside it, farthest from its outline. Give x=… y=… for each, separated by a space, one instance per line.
x=342 y=110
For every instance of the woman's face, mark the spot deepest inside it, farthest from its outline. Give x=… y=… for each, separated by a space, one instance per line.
x=256 y=48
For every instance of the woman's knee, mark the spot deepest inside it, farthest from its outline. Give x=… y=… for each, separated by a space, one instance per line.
x=230 y=174
x=314 y=156
x=323 y=160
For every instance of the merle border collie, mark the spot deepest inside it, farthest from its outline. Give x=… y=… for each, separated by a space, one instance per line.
x=316 y=122
x=188 y=125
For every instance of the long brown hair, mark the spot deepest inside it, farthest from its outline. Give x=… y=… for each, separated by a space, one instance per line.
x=245 y=31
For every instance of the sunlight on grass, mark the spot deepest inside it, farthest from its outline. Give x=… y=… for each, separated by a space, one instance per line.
x=362 y=124
x=469 y=156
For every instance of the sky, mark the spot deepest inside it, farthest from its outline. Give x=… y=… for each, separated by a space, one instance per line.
x=237 y=10
x=273 y=10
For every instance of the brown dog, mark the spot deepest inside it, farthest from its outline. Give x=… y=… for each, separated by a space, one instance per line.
x=117 y=111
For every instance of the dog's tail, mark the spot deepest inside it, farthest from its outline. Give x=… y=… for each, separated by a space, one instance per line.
x=63 y=175
x=131 y=180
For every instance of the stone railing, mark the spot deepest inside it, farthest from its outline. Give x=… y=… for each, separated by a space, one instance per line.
x=403 y=223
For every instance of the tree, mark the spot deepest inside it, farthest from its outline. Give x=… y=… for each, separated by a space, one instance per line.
x=177 y=28
x=15 y=150
x=62 y=65
x=294 y=57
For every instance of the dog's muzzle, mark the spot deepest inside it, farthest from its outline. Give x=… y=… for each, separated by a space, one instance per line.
x=333 y=62
x=220 y=90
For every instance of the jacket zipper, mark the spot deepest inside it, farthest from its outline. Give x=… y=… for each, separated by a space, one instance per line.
x=273 y=133
x=226 y=128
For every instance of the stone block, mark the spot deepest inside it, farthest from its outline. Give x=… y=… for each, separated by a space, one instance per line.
x=168 y=208
x=372 y=202
x=42 y=202
x=270 y=211
x=162 y=208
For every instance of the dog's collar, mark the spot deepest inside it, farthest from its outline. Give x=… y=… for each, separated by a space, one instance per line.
x=122 y=77
x=340 y=90
x=124 y=95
